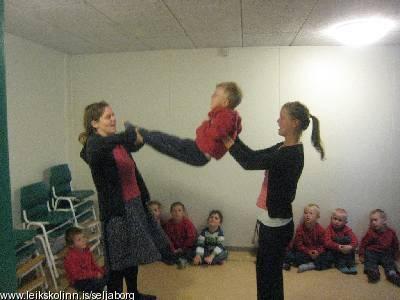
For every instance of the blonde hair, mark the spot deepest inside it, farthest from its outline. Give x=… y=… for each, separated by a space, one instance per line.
x=313 y=206
x=233 y=91
x=380 y=212
x=340 y=211
x=300 y=112
x=154 y=202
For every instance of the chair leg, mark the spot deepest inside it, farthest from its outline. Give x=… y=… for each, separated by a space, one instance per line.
x=48 y=260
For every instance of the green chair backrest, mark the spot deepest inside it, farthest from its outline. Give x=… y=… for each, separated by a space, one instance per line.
x=34 y=199
x=60 y=179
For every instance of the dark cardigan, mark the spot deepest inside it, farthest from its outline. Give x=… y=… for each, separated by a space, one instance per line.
x=284 y=167
x=98 y=154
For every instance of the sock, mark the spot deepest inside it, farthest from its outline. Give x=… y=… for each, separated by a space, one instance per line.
x=306 y=267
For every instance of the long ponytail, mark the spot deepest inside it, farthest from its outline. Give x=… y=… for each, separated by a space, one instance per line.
x=315 y=136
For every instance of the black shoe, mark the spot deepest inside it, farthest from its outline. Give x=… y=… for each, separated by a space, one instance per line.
x=395 y=279
x=373 y=276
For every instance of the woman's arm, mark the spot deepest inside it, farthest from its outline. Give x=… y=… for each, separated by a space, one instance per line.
x=252 y=159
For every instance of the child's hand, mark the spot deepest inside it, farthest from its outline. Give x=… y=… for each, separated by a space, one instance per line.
x=197 y=260
x=209 y=259
x=228 y=142
x=177 y=251
x=99 y=275
x=361 y=259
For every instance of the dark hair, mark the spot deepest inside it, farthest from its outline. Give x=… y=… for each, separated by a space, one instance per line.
x=233 y=92
x=216 y=212
x=178 y=203
x=300 y=112
x=93 y=112
x=70 y=234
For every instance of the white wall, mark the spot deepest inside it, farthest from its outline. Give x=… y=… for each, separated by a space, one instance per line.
x=353 y=91
x=37 y=128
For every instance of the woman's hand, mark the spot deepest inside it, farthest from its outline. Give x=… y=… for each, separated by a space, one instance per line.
x=228 y=142
x=139 y=137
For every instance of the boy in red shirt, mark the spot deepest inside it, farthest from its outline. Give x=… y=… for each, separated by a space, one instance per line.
x=82 y=271
x=181 y=233
x=341 y=242
x=379 y=246
x=223 y=121
x=308 y=252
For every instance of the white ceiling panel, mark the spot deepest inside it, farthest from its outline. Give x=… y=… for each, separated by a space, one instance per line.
x=141 y=18
x=207 y=16
x=268 y=39
x=93 y=26
x=275 y=16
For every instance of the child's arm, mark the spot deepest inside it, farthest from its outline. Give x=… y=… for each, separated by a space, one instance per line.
x=200 y=244
x=191 y=233
x=95 y=267
x=320 y=241
x=328 y=241
x=220 y=243
x=221 y=126
x=354 y=241
x=395 y=246
x=74 y=270
x=299 y=241
x=363 y=245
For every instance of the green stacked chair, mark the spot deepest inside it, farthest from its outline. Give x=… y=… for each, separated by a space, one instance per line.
x=37 y=215
x=65 y=198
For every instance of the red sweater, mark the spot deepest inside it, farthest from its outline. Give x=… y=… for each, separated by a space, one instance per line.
x=380 y=242
x=307 y=239
x=80 y=264
x=222 y=122
x=330 y=234
x=182 y=235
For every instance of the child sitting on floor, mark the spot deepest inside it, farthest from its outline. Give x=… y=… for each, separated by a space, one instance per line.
x=341 y=242
x=380 y=246
x=181 y=233
x=210 y=249
x=308 y=252
x=155 y=209
x=82 y=271
x=223 y=121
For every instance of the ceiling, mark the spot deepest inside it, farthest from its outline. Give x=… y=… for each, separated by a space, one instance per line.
x=97 y=26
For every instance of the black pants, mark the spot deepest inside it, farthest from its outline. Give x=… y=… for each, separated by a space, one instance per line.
x=184 y=150
x=374 y=258
x=340 y=259
x=115 y=283
x=271 y=253
x=90 y=285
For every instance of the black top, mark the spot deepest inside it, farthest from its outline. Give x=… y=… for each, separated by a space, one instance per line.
x=98 y=154
x=284 y=165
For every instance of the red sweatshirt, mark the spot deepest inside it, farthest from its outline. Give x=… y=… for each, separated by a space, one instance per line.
x=182 y=235
x=222 y=122
x=330 y=234
x=380 y=242
x=80 y=264
x=307 y=239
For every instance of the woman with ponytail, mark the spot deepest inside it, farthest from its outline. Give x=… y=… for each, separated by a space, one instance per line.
x=131 y=235
x=283 y=164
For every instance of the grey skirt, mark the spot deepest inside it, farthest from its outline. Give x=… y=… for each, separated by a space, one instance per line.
x=133 y=239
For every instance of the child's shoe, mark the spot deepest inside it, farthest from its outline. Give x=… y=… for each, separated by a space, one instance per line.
x=286 y=267
x=394 y=278
x=306 y=267
x=373 y=276
x=182 y=263
x=352 y=270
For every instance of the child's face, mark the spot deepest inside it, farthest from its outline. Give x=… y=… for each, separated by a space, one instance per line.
x=338 y=220
x=376 y=222
x=80 y=241
x=177 y=213
x=214 y=221
x=155 y=210
x=310 y=216
x=219 y=99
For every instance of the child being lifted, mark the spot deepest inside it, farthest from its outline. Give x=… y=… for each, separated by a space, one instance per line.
x=223 y=121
